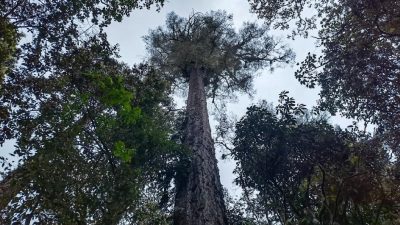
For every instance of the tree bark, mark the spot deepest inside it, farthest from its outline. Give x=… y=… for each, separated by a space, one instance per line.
x=199 y=196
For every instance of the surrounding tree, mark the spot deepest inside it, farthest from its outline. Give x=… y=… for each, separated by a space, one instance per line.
x=205 y=52
x=311 y=173
x=359 y=67
x=51 y=28
x=91 y=138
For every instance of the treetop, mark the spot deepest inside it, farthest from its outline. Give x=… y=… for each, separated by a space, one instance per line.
x=208 y=41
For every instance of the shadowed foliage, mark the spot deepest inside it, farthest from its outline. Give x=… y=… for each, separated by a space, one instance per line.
x=359 y=67
x=309 y=172
x=91 y=138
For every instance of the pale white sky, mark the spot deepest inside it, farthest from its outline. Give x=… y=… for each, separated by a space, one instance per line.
x=128 y=34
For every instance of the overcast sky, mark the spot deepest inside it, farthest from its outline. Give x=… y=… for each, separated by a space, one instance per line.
x=128 y=35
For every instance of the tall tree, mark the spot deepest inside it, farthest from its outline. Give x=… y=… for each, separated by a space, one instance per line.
x=205 y=52
x=358 y=70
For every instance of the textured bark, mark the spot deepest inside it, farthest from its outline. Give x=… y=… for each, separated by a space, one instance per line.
x=199 y=197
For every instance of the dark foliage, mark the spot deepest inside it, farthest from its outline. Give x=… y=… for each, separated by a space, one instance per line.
x=92 y=135
x=91 y=138
x=359 y=67
x=311 y=173
x=52 y=29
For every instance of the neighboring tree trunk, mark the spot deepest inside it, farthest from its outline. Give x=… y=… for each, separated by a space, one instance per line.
x=199 y=198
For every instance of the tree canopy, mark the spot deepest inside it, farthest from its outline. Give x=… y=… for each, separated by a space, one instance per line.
x=93 y=136
x=51 y=29
x=91 y=139
x=210 y=42
x=100 y=142
x=309 y=172
x=358 y=69
x=54 y=25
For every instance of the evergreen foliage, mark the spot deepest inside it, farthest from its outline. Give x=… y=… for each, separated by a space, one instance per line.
x=209 y=41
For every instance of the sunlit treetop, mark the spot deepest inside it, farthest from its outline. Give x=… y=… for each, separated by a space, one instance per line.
x=209 y=41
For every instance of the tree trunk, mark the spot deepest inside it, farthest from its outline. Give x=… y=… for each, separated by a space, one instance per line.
x=199 y=197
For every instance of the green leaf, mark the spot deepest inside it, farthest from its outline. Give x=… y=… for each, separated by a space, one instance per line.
x=123 y=153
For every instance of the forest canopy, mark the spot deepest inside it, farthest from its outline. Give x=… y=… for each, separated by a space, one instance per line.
x=98 y=141
x=358 y=69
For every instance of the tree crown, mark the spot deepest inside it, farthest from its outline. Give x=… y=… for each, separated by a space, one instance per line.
x=209 y=42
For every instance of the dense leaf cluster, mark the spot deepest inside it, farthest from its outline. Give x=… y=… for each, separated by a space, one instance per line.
x=52 y=29
x=90 y=139
x=359 y=67
x=92 y=136
x=311 y=173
